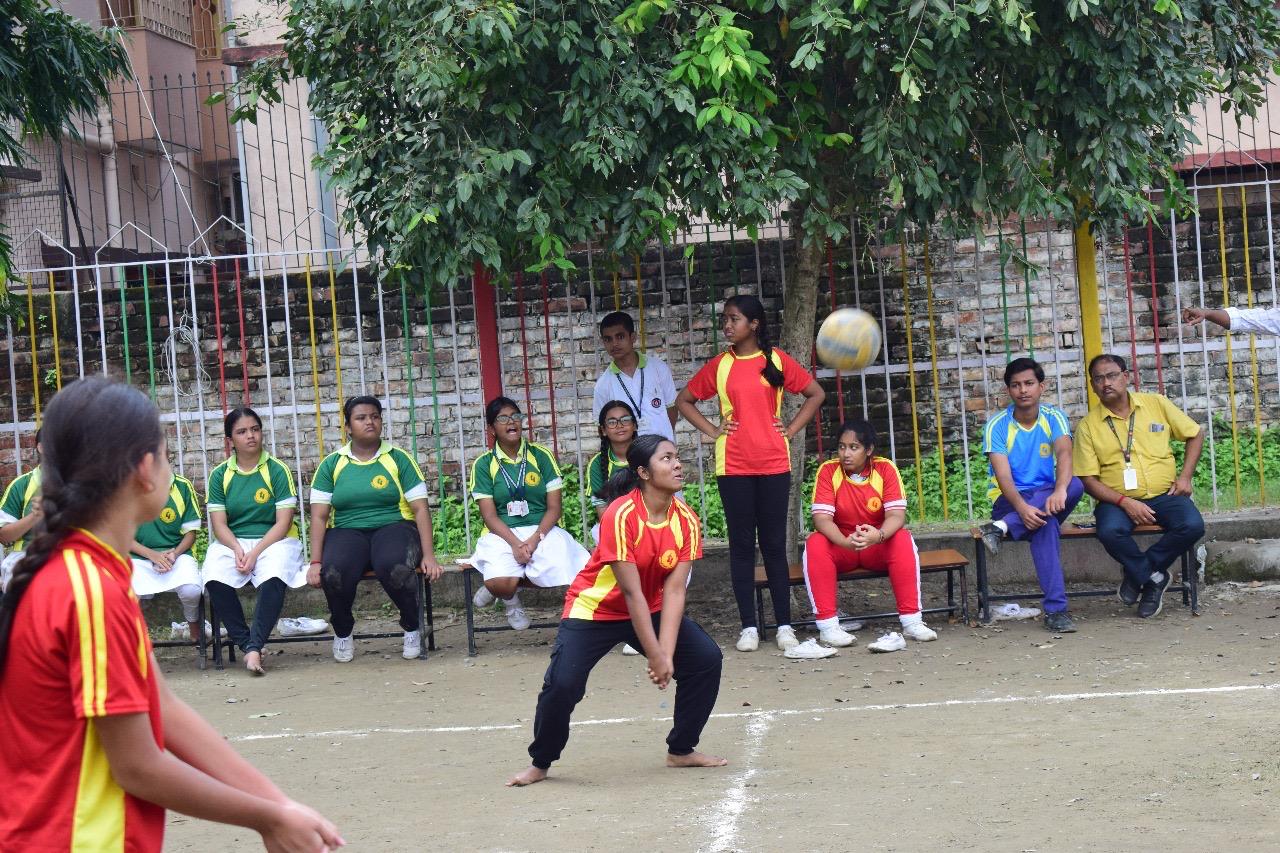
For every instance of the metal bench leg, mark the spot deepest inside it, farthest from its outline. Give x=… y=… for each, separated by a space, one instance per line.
x=1186 y=578
x=1192 y=573
x=424 y=593
x=431 y=616
x=202 y=641
x=217 y=636
x=764 y=635
x=984 y=591
x=471 y=617
x=951 y=594
x=964 y=594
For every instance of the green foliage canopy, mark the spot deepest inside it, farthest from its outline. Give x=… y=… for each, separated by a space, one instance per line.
x=53 y=67
x=483 y=130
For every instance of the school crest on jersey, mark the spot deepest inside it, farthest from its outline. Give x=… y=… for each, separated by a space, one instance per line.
x=1044 y=451
x=261 y=496
x=532 y=478
x=379 y=482
x=669 y=559
x=873 y=503
x=168 y=516
x=656 y=402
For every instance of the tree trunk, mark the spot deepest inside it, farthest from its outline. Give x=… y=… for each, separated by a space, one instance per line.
x=799 y=315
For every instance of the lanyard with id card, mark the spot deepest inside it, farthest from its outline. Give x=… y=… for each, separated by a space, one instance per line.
x=517 y=507
x=1126 y=448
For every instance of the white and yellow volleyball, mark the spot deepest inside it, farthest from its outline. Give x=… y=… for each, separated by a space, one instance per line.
x=849 y=339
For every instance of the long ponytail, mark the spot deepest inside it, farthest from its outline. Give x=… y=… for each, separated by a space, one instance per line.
x=753 y=309
x=639 y=455
x=95 y=433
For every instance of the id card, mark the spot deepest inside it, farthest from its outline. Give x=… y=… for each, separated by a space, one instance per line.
x=1130 y=477
x=517 y=509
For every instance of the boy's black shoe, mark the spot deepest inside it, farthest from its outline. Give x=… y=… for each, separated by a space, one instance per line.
x=1128 y=592
x=1059 y=623
x=1153 y=595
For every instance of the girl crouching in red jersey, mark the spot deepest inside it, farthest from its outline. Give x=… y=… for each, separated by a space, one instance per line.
x=633 y=591
x=96 y=746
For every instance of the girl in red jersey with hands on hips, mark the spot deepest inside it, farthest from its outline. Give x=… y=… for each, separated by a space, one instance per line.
x=96 y=745
x=633 y=591
x=753 y=461
x=859 y=518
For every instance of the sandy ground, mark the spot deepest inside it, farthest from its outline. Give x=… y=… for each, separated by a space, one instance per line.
x=1129 y=735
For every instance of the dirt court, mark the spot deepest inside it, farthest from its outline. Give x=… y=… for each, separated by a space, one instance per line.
x=1128 y=735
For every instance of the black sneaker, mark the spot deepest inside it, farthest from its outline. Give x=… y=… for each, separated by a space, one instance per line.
x=1128 y=592
x=992 y=536
x=1153 y=596
x=1059 y=623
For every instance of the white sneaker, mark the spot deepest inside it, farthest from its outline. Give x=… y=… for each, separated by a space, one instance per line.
x=786 y=638
x=517 y=618
x=808 y=650
x=847 y=622
x=748 y=640
x=412 y=645
x=920 y=632
x=301 y=626
x=344 y=649
x=836 y=637
x=628 y=649
x=482 y=598
x=890 y=642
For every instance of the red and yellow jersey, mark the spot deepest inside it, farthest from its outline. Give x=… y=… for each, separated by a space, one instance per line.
x=861 y=499
x=755 y=447
x=78 y=650
x=627 y=536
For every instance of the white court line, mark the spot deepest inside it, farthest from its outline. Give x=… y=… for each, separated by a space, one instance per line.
x=784 y=712
x=728 y=811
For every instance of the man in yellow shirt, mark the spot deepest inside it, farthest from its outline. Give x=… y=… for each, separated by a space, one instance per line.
x=1122 y=456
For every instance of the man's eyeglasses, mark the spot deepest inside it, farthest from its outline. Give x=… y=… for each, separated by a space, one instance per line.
x=625 y=420
x=1098 y=379
x=508 y=419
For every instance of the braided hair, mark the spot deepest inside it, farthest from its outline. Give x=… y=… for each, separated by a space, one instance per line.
x=95 y=434
x=753 y=309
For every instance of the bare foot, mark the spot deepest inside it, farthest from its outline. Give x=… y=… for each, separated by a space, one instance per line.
x=696 y=759
x=527 y=777
x=253 y=663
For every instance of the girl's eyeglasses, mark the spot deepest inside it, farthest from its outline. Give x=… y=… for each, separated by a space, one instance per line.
x=625 y=420
x=508 y=419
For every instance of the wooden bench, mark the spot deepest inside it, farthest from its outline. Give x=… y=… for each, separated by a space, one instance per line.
x=931 y=562
x=426 y=623
x=1070 y=532
x=467 y=570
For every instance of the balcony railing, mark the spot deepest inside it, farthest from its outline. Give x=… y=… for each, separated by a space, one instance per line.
x=169 y=18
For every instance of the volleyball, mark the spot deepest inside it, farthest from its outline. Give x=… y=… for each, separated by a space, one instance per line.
x=849 y=339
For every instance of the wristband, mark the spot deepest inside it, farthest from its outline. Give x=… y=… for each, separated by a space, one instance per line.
x=316 y=563
x=1122 y=499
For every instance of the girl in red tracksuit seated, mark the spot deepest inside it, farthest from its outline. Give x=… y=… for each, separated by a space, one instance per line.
x=859 y=518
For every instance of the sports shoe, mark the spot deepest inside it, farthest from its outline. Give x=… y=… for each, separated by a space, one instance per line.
x=808 y=650
x=748 y=640
x=628 y=649
x=517 y=618
x=301 y=627
x=992 y=536
x=836 y=637
x=920 y=632
x=890 y=642
x=412 y=645
x=847 y=622
x=344 y=649
x=182 y=631
x=483 y=598
x=786 y=638
x=1128 y=592
x=1153 y=595
x=1059 y=623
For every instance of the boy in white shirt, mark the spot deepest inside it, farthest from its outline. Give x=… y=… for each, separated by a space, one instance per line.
x=640 y=379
